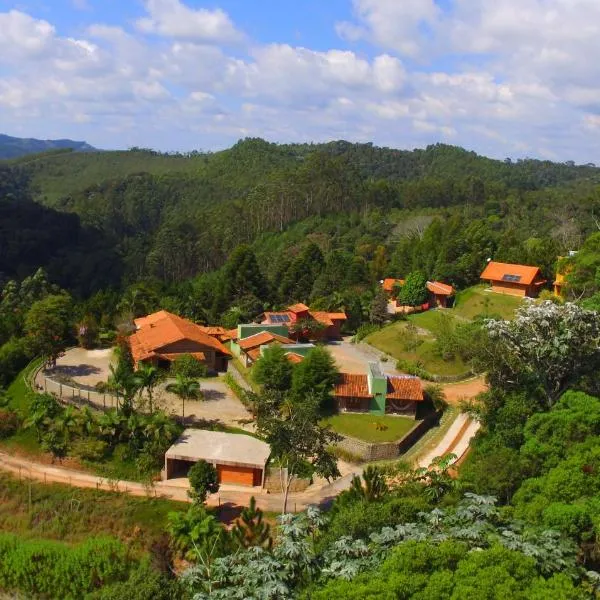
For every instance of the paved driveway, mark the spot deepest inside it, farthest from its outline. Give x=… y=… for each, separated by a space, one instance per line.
x=355 y=358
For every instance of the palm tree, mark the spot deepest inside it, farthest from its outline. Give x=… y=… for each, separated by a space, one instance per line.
x=123 y=382
x=147 y=377
x=186 y=388
x=160 y=428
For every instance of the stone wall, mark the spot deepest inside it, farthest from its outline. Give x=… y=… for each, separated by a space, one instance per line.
x=370 y=452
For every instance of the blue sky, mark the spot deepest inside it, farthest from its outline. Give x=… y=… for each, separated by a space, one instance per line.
x=501 y=77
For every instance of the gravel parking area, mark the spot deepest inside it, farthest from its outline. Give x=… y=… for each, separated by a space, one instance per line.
x=89 y=367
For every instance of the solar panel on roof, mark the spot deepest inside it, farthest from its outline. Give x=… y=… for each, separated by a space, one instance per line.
x=512 y=278
x=280 y=318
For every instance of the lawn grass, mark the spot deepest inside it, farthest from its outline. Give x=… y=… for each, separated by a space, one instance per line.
x=364 y=426
x=431 y=319
x=389 y=340
x=60 y=512
x=476 y=301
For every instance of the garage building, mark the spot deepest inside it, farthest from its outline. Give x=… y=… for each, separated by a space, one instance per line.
x=239 y=459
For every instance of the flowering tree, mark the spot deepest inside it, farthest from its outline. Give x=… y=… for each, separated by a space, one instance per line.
x=548 y=347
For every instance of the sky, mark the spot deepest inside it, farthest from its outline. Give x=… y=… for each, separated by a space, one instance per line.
x=506 y=78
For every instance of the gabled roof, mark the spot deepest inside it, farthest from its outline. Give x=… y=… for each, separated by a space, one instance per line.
x=327 y=318
x=399 y=387
x=404 y=387
x=522 y=274
x=264 y=337
x=352 y=385
x=164 y=328
x=222 y=334
x=439 y=288
x=389 y=283
x=298 y=308
x=149 y=319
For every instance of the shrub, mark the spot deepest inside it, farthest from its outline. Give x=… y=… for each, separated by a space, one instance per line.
x=89 y=449
x=204 y=480
x=9 y=423
x=14 y=357
x=49 y=569
x=414 y=369
x=188 y=366
x=364 y=330
x=435 y=394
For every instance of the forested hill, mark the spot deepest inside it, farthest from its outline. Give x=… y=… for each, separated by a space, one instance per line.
x=14 y=147
x=172 y=217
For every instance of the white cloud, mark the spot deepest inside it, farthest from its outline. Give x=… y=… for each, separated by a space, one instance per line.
x=393 y=24
x=173 y=19
x=525 y=80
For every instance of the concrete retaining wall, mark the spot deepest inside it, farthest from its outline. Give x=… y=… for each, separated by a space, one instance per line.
x=369 y=451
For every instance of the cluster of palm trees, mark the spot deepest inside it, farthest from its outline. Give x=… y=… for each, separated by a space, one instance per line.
x=58 y=428
x=136 y=389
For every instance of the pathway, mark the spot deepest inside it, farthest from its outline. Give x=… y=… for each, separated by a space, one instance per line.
x=455 y=441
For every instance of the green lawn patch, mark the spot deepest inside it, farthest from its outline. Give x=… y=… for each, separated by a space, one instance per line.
x=365 y=426
x=476 y=301
x=431 y=319
x=391 y=341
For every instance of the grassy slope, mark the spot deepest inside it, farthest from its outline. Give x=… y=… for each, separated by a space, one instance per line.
x=470 y=303
x=19 y=394
x=64 y=513
x=476 y=301
x=364 y=427
x=389 y=340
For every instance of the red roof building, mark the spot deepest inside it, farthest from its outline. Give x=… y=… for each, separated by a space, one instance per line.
x=439 y=294
x=162 y=337
x=378 y=393
x=515 y=280
x=300 y=313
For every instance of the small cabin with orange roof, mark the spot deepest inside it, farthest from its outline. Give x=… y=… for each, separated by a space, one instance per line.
x=440 y=294
x=389 y=286
x=512 y=279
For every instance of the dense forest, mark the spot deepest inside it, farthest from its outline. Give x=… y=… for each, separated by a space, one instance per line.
x=355 y=211
x=90 y=240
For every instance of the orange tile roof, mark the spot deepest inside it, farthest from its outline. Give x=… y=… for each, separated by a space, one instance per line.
x=162 y=329
x=264 y=337
x=149 y=319
x=389 y=283
x=437 y=287
x=404 y=387
x=254 y=354
x=352 y=385
x=327 y=318
x=322 y=317
x=496 y=271
x=220 y=333
x=294 y=358
x=298 y=308
x=399 y=387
